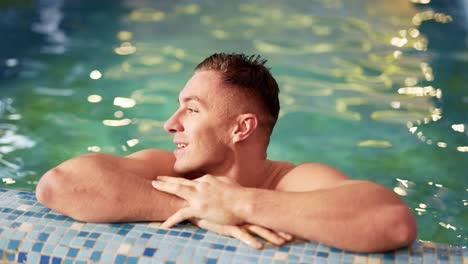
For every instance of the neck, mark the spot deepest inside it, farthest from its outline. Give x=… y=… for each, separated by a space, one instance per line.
x=248 y=168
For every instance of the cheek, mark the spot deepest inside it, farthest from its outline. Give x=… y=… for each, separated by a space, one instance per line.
x=211 y=134
x=223 y=134
x=215 y=141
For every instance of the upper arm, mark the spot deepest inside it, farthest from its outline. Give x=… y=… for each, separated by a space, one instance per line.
x=144 y=164
x=311 y=176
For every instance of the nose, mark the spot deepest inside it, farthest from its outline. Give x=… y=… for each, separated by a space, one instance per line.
x=173 y=125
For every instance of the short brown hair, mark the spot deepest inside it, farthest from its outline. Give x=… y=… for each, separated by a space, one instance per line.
x=249 y=74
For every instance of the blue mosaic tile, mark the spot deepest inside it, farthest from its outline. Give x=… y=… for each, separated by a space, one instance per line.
x=96 y=256
x=149 y=252
x=54 y=238
x=13 y=245
x=146 y=235
x=161 y=231
x=15 y=224
x=230 y=248
x=173 y=233
x=22 y=257
x=185 y=234
x=122 y=232
x=89 y=243
x=211 y=261
x=217 y=246
x=72 y=252
x=44 y=259
x=60 y=217
x=197 y=237
x=43 y=237
x=284 y=249
x=120 y=259
x=10 y=256
x=83 y=234
x=37 y=247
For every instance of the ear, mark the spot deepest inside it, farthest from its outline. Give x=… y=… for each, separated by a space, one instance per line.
x=245 y=126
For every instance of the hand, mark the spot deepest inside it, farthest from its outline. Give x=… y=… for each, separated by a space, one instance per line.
x=208 y=197
x=244 y=233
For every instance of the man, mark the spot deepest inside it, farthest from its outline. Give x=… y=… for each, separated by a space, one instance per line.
x=220 y=178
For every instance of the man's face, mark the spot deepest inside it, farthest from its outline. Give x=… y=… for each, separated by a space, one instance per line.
x=202 y=125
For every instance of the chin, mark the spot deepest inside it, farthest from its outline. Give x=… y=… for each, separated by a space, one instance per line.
x=189 y=172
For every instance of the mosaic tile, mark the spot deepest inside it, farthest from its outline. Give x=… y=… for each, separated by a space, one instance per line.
x=31 y=233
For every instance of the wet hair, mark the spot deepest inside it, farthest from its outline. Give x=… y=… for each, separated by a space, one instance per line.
x=249 y=75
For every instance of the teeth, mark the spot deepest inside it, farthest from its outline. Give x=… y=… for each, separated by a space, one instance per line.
x=181 y=145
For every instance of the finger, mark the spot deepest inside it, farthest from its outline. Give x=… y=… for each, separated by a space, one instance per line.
x=217 y=228
x=245 y=237
x=285 y=236
x=233 y=231
x=180 y=190
x=266 y=234
x=179 y=216
x=178 y=180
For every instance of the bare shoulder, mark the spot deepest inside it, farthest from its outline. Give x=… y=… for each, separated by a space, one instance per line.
x=277 y=170
x=158 y=161
x=311 y=176
x=157 y=155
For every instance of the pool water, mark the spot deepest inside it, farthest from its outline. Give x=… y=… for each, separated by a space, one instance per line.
x=376 y=89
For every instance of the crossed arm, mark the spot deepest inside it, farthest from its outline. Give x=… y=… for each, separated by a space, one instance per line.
x=354 y=215
x=105 y=188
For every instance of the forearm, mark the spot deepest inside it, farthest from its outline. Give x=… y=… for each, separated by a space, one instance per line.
x=104 y=193
x=344 y=217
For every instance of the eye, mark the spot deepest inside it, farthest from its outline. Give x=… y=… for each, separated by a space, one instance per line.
x=191 y=110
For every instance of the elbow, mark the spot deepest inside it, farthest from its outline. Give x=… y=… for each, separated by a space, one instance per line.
x=53 y=192
x=48 y=187
x=404 y=231
x=55 y=187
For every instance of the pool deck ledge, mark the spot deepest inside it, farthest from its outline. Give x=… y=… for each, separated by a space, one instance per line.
x=32 y=233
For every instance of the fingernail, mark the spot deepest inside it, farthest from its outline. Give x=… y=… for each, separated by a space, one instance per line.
x=154 y=183
x=286 y=236
x=255 y=244
x=280 y=241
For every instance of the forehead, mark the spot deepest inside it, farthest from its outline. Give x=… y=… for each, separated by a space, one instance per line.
x=204 y=85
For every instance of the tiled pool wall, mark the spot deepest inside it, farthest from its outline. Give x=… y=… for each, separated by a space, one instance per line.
x=32 y=233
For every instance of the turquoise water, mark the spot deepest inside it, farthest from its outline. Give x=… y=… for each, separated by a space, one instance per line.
x=375 y=89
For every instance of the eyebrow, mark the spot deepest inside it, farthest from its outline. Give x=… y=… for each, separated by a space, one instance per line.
x=192 y=98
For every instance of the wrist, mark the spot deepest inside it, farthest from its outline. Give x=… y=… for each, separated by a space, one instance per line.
x=244 y=201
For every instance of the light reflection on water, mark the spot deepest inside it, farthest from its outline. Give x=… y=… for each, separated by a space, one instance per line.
x=359 y=84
